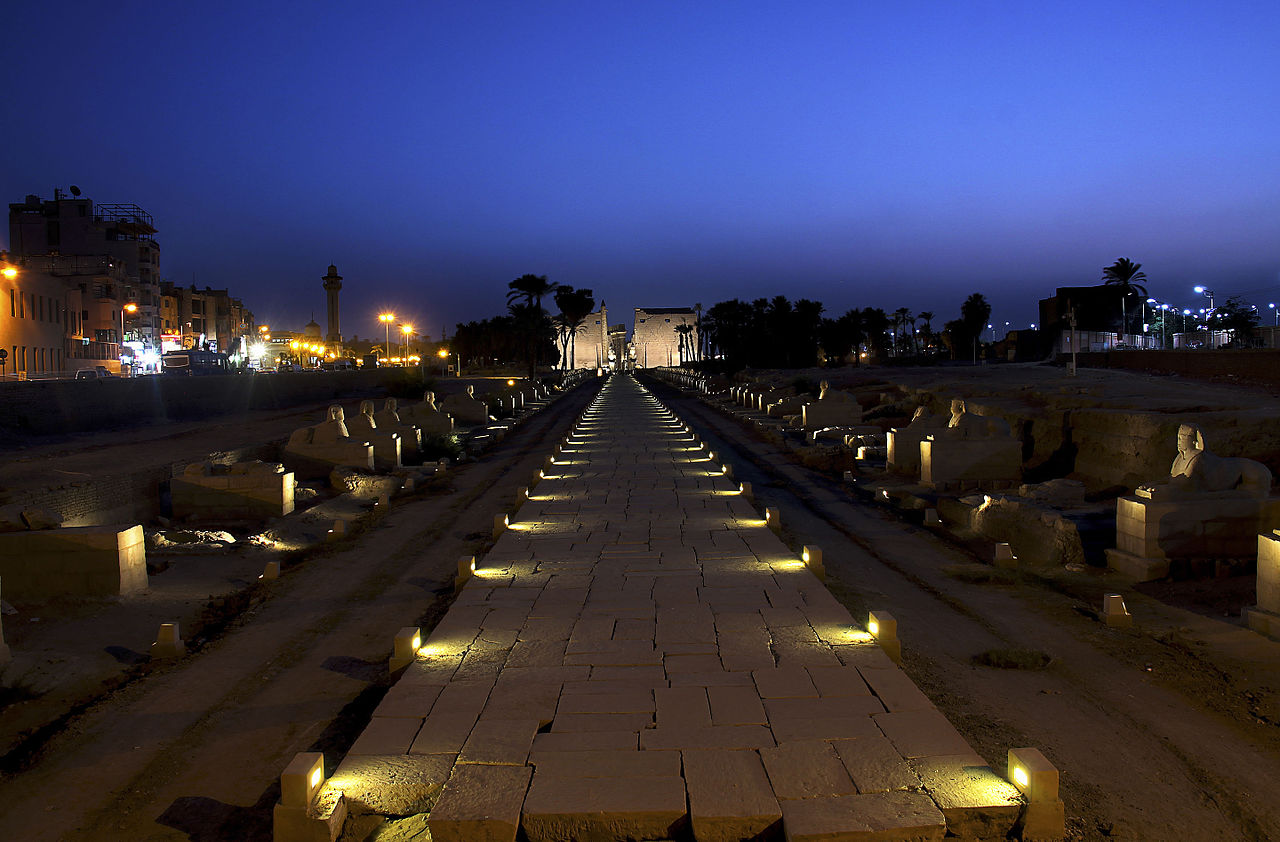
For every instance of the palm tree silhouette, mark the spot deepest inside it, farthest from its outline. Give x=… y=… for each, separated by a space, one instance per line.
x=1125 y=275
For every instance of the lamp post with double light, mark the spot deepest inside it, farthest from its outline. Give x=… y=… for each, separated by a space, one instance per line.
x=387 y=319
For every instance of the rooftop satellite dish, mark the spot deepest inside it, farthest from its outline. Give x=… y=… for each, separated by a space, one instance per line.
x=75 y=191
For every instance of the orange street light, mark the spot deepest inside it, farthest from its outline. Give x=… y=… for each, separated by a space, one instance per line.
x=9 y=273
x=387 y=319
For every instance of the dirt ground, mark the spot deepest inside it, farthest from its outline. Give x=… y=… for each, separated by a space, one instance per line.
x=1164 y=731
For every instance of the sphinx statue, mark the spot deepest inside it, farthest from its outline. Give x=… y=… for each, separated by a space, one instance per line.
x=903 y=443
x=968 y=425
x=1210 y=507
x=1196 y=471
x=388 y=419
x=386 y=442
x=428 y=418
x=833 y=408
x=465 y=409
x=314 y=451
x=972 y=451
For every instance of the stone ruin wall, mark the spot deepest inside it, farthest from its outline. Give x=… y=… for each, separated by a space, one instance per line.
x=1110 y=448
x=126 y=497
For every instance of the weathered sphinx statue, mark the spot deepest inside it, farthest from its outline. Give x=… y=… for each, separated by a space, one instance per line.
x=1196 y=470
x=1209 y=507
x=315 y=450
x=973 y=451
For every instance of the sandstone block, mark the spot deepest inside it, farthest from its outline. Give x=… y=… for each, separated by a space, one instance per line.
x=888 y=816
x=806 y=770
x=480 y=804
x=559 y=809
x=730 y=797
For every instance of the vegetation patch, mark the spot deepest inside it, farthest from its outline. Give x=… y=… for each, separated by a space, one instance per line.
x=1013 y=659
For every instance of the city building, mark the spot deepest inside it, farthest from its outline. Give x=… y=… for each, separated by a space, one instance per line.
x=83 y=279
x=204 y=318
x=657 y=339
x=76 y=226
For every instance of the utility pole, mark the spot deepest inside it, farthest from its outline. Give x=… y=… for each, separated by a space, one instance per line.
x=1071 y=320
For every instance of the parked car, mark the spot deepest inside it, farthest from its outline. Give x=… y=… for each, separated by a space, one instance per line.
x=93 y=373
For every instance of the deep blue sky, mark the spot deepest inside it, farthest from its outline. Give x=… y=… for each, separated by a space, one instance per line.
x=857 y=153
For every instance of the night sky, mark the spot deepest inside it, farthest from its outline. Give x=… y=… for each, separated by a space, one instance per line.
x=861 y=154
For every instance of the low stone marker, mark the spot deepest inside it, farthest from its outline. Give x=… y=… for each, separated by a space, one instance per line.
x=308 y=811
x=73 y=561
x=169 y=642
x=1114 y=612
x=1264 y=617
x=5 y=654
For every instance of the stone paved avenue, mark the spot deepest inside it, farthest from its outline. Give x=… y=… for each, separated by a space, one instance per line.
x=641 y=657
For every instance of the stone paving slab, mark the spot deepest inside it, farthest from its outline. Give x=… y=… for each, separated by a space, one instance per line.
x=640 y=657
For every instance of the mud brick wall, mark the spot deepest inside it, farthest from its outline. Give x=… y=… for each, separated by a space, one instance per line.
x=1260 y=366
x=132 y=497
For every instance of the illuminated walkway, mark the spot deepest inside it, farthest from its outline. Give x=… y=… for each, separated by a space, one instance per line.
x=639 y=652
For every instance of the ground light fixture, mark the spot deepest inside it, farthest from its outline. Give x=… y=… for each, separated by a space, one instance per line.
x=500 y=524
x=773 y=519
x=1037 y=779
x=884 y=628
x=301 y=779
x=744 y=488
x=405 y=647
x=466 y=569
x=811 y=555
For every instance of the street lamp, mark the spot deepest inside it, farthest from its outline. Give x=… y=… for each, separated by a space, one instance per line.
x=407 y=331
x=127 y=308
x=387 y=319
x=1277 y=312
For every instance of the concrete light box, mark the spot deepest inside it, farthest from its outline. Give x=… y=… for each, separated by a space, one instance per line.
x=884 y=628
x=405 y=647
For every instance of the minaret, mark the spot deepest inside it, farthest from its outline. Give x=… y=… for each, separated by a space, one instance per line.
x=333 y=283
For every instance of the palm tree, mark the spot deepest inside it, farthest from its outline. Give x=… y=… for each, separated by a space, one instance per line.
x=531 y=289
x=1125 y=275
x=684 y=334
x=575 y=305
x=927 y=317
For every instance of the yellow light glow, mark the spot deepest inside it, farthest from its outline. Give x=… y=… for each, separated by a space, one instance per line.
x=317 y=775
x=805 y=555
x=442 y=354
x=10 y=273
x=131 y=307
x=406 y=329
x=511 y=382
x=386 y=318
x=873 y=627
x=417 y=642
x=1020 y=776
x=473 y=565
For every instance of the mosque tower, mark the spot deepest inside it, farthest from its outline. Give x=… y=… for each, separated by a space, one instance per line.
x=333 y=283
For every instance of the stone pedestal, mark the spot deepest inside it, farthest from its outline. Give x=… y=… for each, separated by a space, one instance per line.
x=830 y=412
x=243 y=491
x=957 y=464
x=1215 y=525
x=1264 y=617
x=73 y=561
x=316 y=461
x=386 y=443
